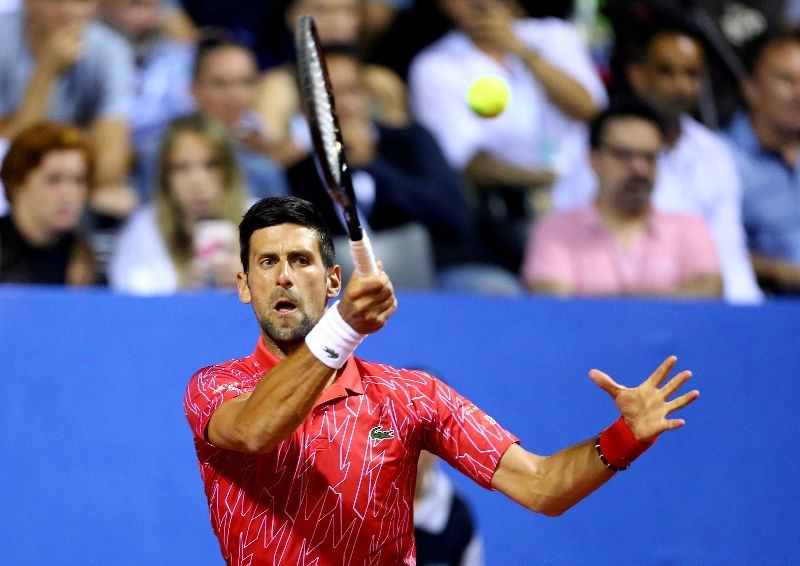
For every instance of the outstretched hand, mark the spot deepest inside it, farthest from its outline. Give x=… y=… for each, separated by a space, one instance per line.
x=645 y=408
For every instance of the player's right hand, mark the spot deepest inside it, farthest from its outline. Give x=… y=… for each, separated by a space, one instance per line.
x=368 y=301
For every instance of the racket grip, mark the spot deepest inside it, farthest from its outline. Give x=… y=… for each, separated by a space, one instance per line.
x=363 y=257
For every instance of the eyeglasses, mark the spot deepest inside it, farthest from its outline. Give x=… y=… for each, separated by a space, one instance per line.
x=627 y=155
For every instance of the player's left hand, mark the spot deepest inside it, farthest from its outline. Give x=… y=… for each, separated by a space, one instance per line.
x=646 y=407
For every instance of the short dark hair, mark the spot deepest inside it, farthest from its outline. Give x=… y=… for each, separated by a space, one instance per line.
x=628 y=107
x=272 y=211
x=214 y=39
x=753 y=50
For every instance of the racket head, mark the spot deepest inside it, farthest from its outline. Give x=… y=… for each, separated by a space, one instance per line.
x=319 y=106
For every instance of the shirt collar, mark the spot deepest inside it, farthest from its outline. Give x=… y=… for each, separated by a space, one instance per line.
x=347 y=383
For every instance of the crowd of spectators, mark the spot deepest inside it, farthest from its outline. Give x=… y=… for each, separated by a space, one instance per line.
x=648 y=148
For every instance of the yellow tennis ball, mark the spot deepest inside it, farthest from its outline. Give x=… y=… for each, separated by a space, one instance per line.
x=488 y=95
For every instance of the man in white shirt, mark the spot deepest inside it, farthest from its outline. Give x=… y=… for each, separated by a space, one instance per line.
x=555 y=89
x=696 y=171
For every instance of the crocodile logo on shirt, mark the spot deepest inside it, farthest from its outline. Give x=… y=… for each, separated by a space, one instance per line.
x=377 y=433
x=333 y=354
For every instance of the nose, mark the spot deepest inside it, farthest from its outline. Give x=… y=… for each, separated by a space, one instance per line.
x=285 y=275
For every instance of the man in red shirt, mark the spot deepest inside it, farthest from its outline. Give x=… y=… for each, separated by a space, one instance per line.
x=308 y=454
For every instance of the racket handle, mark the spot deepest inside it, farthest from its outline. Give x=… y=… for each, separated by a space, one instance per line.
x=363 y=257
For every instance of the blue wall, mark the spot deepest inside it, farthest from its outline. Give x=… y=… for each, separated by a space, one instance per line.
x=98 y=465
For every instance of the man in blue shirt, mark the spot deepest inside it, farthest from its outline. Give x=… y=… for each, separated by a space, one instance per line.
x=766 y=146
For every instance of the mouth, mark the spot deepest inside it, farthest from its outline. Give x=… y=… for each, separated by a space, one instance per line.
x=284 y=307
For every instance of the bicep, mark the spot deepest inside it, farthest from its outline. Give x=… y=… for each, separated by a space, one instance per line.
x=221 y=427
x=517 y=473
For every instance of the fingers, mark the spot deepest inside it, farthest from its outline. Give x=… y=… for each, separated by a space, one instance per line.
x=604 y=382
x=658 y=376
x=682 y=401
x=675 y=383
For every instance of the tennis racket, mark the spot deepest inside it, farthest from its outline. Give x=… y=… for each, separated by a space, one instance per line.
x=320 y=110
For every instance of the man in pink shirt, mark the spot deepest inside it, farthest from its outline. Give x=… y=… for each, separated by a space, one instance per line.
x=620 y=244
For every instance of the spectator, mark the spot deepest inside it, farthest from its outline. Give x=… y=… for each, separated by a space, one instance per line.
x=444 y=530
x=696 y=173
x=186 y=238
x=58 y=63
x=339 y=23
x=621 y=244
x=555 y=89
x=47 y=175
x=162 y=66
x=766 y=147
x=400 y=178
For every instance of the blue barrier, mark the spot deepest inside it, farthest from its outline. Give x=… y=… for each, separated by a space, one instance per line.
x=98 y=465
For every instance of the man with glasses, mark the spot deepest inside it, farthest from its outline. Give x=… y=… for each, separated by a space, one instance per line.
x=620 y=244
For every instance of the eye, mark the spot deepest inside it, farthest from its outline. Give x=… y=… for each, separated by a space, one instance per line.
x=302 y=261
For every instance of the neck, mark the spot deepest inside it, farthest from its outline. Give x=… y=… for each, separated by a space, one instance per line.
x=783 y=141
x=624 y=226
x=33 y=232
x=673 y=132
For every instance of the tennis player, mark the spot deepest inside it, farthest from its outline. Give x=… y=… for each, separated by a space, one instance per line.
x=309 y=454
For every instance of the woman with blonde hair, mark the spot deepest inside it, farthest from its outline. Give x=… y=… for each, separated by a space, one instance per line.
x=47 y=176
x=185 y=238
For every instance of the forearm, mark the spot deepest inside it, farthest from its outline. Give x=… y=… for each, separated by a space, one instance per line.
x=277 y=406
x=34 y=105
x=485 y=170
x=776 y=272
x=564 y=91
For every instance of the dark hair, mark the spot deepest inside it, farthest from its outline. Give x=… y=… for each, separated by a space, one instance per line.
x=754 y=49
x=629 y=107
x=213 y=39
x=670 y=28
x=272 y=211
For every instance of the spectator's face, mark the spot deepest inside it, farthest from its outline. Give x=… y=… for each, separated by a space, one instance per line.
x=337 y=21
x=225 y=84
x=669 y=75
x=464 y=12
x=773 y=92
x=134 y=18
x=54 y=194
x=625 y=164
x=196 y=180
x=287 y=282
x=348 y=90
x=48 y=16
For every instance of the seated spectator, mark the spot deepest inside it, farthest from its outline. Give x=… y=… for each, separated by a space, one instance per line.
x=57 y=63
x=696 y=172
x=555 y=89
x=47 y=175
x=223 y=87
x=444 y=530
x=162 y=66
x=620 y=244
x=186 y=238
x=400 y=178
x=766 y=147
x=339 y=23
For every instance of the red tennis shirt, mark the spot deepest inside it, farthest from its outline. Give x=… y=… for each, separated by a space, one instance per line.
x=340 y=489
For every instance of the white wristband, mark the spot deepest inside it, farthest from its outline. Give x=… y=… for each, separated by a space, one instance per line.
x=332 y=340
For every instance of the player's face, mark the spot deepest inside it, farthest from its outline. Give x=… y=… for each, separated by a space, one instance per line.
x=773 y=93
x=225 y=85
x=54 y=194
x=625 y=164
x=287 y=282
x=195 y=177
x=669 y=76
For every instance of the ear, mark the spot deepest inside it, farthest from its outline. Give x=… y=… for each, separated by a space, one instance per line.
x=334 y=279
x=243 y=288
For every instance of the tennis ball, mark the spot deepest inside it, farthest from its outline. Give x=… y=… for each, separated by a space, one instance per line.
x=488 y=95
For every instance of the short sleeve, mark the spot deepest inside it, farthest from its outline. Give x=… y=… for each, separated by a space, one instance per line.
x=115 y=62
x=547 y=254
x=464 y=436
x=701 y=258
x=207 y=390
